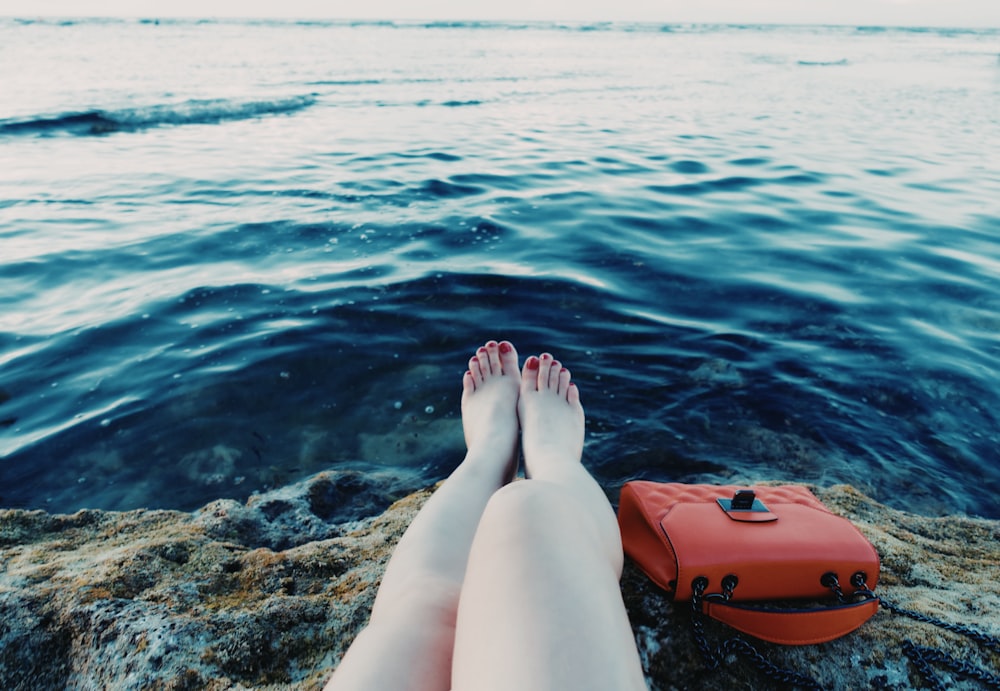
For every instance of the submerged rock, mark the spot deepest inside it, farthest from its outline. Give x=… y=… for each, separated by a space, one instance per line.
x=269 y=594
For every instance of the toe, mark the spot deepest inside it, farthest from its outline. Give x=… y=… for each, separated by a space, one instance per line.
x=468 y=383
x=475 y=369
x=564 y=377
x=493 y=356
x=544 y=369
x=508 y=357
x=573 y=394
x=554 y=375
x=483 y=357
x=529 y=376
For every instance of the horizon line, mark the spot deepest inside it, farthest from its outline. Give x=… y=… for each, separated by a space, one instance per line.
x=482 y=21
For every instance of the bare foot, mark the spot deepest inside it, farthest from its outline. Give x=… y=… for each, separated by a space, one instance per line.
x=489 y=406
x=552 y=420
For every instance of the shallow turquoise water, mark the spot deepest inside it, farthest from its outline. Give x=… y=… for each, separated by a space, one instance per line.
x=234 y=254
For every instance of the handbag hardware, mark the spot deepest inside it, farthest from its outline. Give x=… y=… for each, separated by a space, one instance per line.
x=667 y=526
x=921 y=657
x=776 y=542
x=788 y=626
x=745 y=502
x=714 y=657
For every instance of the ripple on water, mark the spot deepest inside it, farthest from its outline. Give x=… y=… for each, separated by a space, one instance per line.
x=802 y=288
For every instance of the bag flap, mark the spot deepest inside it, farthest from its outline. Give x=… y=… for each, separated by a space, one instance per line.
x=784 y=558
x=676 y=532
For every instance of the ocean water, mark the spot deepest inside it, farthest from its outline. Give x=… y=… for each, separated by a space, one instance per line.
x=233 y=254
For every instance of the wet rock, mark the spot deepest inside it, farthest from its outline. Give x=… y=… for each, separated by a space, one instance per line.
x=317 y=509
x=266 y=594
x=269 y=594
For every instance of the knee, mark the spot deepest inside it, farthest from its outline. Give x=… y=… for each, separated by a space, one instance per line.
x=539 y=510
x=528 y=502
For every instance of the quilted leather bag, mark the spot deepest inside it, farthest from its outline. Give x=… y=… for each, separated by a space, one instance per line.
x=726 y=548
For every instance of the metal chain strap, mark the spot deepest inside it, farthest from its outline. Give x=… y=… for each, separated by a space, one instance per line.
x=923 y=657
x=984 y=639
x=714 y=657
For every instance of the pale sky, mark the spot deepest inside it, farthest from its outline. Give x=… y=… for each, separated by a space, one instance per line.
x=971 y=13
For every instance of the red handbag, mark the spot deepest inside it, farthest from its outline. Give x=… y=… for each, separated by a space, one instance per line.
x=725 y=546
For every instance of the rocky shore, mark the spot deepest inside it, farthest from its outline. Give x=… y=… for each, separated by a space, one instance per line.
x=268 y=594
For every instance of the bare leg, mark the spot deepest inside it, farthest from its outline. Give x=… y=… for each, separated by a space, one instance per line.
x=541 y=609
x=409 y=641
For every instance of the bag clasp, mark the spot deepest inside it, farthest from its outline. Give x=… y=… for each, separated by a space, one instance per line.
x=746 y=507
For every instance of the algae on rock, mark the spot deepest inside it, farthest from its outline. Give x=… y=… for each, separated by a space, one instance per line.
x=269 y=594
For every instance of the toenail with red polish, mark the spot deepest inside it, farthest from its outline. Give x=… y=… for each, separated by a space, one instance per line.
x=505 y=347
x=532 y=362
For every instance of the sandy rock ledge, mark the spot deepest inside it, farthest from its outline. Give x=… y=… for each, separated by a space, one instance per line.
x=268 y=594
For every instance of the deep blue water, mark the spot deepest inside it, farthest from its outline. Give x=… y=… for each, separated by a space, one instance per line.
x=233 y=254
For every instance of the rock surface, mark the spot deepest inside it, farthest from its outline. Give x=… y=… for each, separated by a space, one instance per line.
x=269 y=594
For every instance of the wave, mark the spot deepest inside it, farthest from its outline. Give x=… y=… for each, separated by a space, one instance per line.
x=822 y=63
x=347 y=82
x=537 y=25
x=193 y=112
